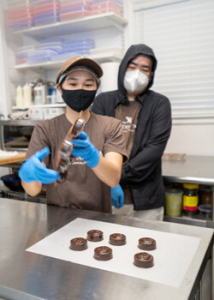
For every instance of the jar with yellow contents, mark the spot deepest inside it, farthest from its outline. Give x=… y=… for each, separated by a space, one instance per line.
x=190 y=198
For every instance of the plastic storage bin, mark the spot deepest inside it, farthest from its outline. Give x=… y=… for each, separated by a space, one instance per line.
x=73 y=13
x=45 y=19
x=64 y=4
x=81 y=46
x=40 y=56
x=54 y=46
x=205 y=211
x=46 y=12
x=101 y=7
x=20 y=14
x=45 y=8
x=22 y=54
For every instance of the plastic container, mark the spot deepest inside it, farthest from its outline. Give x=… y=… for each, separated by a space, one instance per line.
x=54 y=46
x=43 y=2
x=12 y=181
x=73 y=14
x=46 y=15
x=17 y=14
x=20 y=20
x=118 y=2
x=67 y=3
x=205 y=211
x=80 y=50
x=48 y=19
x=21 y=26
x=40 y=9
x=190 y=199
x=64 y=56
x=19 y=96
x=173 y=202
x=23 y=52
x=27 y=95
x=20 y=14
x=79 y=42
x=40 y=93
x=40 y=56
x=106 y=6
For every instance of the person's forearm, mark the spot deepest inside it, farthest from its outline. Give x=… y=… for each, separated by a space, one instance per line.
x=33 y=188
x=107 y=171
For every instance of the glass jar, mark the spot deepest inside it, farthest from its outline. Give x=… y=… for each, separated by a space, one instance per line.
x=190 y=198
x=205 y=195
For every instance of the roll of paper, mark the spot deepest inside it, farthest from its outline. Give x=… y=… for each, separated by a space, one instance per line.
x=109 y=78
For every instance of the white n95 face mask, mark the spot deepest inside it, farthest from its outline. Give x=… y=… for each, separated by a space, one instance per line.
x=135 y=81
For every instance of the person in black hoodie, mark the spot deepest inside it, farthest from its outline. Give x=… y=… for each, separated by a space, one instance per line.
x=146 y=122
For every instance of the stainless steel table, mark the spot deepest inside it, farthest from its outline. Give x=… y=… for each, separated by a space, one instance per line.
x=26 y=275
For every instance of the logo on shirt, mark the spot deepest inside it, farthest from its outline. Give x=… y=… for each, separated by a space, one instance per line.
x=79 y=160
x=128 y=126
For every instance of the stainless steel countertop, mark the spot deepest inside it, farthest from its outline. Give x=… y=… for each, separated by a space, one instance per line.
x=25 y=275
x=194 y=169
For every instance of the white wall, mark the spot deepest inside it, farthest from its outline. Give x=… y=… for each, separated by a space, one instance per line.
x=192 y=139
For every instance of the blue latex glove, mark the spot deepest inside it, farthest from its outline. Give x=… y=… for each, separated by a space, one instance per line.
x=34 y=170
x=117 y=196
x=86 y=150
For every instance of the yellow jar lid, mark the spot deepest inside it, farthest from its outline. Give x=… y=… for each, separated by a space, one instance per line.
x=190 y=186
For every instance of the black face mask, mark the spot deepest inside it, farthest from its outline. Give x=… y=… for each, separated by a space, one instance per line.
x=78 y=99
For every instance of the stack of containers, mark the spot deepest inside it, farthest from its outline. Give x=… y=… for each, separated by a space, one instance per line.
x=75 y=47
x=45 y=52
x=20 y=14
x=47 y=49
x=74 y=9
x=22 y=54
x=105 y=6
x=46 y=11
x=55 y=49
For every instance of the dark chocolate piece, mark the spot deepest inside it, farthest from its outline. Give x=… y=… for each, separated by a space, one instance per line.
x=147 y=243
x=64 y=153
x=143 y=260
x=103 y=253
x=78 y=244
x=95 y=235
x=117 y=239
x=78 y=128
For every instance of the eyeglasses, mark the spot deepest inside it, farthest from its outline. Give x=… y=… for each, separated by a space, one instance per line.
x=64 y=154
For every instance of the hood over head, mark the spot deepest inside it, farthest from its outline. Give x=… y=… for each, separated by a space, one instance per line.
x=132 y=52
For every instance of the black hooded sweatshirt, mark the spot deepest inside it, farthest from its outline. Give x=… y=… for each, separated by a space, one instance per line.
x=143 y=170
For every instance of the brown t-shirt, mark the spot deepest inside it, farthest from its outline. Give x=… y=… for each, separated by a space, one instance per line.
x=82 y=188
x=128 y=113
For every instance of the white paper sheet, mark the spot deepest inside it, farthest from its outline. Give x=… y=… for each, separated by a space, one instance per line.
x=172 y=257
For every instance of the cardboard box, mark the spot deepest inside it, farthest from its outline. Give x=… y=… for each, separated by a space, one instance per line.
x=53 y=112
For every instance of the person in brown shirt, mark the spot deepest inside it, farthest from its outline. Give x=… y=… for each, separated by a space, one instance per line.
x=99 y=152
